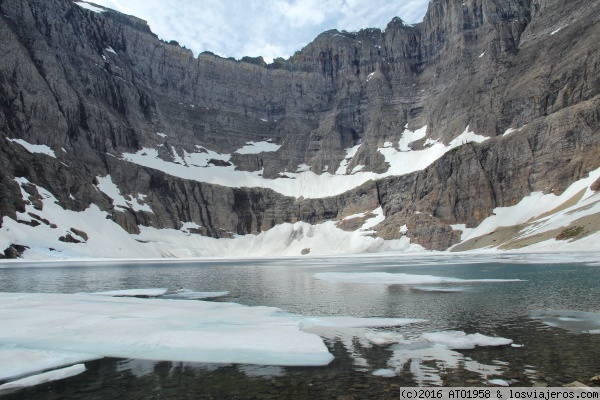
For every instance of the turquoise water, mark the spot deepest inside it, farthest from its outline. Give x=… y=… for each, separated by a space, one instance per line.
x=547 y=354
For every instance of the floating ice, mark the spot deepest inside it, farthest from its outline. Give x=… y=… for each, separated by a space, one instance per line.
x=45 y=377
x=573 y=321
x=18 y=361
x=397 y=279
x=351 y=322
x=133 y=293
x=156 y=329
x=383 y=338
x=459 y=340
x=442 y=288
x=191 y=295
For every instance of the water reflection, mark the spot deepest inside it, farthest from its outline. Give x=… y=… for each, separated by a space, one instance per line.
x=546 y=354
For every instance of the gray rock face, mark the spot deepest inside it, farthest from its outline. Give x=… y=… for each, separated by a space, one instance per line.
x=93 y=86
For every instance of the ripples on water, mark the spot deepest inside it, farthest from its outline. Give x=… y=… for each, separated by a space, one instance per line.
x=548 y=354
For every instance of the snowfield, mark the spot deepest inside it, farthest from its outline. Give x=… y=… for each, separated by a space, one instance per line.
x=303 y=183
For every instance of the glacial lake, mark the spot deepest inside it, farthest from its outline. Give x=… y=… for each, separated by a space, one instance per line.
x=548 y=305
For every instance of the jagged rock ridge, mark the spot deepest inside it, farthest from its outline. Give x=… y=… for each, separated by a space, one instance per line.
x=94 y=87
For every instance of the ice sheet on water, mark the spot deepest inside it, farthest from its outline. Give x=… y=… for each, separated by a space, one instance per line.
x=19 y=361
x=351 y=322
x=155 y=292
x=49 y=376
x=124 y=327
x=573 y=321
x=397 y=278
x=443 y=288
x=382 y=338
x=186 y=294
x=459 y=340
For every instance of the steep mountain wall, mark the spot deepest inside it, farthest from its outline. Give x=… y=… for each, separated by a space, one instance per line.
x=97 y=88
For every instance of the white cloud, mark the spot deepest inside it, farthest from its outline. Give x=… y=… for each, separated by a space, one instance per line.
x=270 y=28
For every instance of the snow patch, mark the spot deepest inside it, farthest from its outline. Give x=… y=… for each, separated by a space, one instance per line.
x=186 y=226
x=411 y=136
x=303 y=168
x=90 y=7
x=530 y=208
x=109 y=188
x=35 y=148
x=258 y=147
x=350 y=153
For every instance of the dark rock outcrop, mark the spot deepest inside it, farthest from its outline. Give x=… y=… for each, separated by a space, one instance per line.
x=92 y=86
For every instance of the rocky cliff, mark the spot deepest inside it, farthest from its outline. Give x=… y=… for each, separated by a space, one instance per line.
x=423 y=130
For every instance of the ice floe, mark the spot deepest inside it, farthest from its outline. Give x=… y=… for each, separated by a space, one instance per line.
x=154 y=292
x=443 y=288
x=382 y=338
x=459 y=340
x=155 y=329
x=573 y=321
x=352 y=322
x=19 y=361
x=49 y=376
x=397 y=279
x=191 y=295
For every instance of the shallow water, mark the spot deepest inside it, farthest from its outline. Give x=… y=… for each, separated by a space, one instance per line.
x=550 y=355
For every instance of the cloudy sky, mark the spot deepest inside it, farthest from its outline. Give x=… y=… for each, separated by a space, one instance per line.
x=268 y=28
